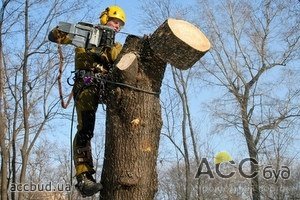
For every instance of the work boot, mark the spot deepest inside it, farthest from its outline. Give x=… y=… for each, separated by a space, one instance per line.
x=87 y=185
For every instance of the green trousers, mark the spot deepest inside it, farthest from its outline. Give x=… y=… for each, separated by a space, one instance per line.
x=86 y=99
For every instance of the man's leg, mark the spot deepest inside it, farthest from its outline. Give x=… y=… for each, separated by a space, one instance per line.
x=86 y=107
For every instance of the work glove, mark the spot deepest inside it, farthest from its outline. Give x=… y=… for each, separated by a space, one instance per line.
x=114 y=52
x=59 y=37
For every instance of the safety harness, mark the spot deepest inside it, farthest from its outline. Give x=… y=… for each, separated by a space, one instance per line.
x=91 y=78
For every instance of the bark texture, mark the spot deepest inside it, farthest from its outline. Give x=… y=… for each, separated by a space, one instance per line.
x=133 y=118
x=133 y=125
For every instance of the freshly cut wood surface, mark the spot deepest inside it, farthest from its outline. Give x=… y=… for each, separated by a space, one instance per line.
x=179 y=43
x=126 y=61
x=128 y=65
x=189 y=34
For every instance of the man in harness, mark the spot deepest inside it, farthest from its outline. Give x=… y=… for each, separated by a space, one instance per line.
x=92 y=60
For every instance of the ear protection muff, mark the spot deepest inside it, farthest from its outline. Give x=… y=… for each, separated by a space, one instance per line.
x=104 y=16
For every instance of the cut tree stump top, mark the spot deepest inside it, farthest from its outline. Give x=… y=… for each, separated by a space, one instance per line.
x=179 y=43
x=189 y=34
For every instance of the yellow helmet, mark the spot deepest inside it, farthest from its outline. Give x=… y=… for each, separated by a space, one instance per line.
x=112 y=12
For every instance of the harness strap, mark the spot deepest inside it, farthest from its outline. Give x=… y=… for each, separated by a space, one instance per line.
x=89 y=76
x=83 y=149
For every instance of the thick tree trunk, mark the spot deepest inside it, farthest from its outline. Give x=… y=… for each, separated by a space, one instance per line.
x=133 y=118
x=133 y=125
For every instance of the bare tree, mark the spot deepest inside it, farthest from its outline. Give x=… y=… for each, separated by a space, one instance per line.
x=28 y=77
x=278 y=152
x=251 y=47
x=3 y=114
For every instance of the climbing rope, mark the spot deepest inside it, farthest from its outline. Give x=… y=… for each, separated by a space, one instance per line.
x=71 y=145
x=60 y=71
x=133 y=87
x=65 y=105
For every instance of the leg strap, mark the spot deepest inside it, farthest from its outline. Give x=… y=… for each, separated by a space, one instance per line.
x=83 y=155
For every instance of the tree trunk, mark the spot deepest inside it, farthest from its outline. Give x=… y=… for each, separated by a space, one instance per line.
x=133 y=125
x=3 y=120
x=24 y=153
x=254 y=169
x=3 y=130
x=133 y=117
x=252 y=149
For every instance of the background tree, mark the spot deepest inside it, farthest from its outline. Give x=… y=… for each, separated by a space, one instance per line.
x=251 y=49
x=276 y=152
x=238 y=52
x=28 y=77
x=3 y=106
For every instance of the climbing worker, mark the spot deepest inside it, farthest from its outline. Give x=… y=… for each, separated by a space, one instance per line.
x=88 y=92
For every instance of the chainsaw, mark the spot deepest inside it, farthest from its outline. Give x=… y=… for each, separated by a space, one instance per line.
x=87 y=35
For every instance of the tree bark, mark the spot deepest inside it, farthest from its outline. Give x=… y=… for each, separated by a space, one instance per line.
x=133 y=125
x=24 y=153
x=4 y=151
x=133 y=117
